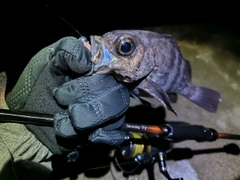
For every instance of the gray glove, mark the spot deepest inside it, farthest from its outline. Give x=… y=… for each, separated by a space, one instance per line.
x=96 y=108
x=50 y=68
x=43 y=77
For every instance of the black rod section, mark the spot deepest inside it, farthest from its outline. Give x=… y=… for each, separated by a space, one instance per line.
x=26 y=118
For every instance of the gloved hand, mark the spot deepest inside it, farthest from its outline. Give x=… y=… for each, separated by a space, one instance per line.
x=54 y=65
x=96 y=108
x=42 y=79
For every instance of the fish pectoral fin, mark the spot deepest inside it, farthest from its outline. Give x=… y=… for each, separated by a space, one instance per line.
x=206 y=98
x=158 y=93
x=143 y=101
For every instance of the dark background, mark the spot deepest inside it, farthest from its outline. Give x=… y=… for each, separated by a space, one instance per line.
x=28 y=27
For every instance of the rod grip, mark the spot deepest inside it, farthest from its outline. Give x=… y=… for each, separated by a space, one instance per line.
x=180 y=132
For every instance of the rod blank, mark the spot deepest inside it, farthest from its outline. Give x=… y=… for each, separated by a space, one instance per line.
x=26 y=118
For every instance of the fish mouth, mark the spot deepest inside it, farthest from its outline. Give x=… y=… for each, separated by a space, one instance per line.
x=96 y=50
x=101 y=57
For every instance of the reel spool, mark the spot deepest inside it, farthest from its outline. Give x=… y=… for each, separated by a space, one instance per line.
x=136 y=145
x=128 y=155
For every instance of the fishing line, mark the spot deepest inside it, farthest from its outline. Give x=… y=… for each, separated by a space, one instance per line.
x=58 y=15
x=117 y=164
x=114 y=164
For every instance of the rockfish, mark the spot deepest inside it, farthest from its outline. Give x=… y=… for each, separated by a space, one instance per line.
x=151 y=65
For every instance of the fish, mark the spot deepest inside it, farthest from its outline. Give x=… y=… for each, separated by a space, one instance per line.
x=150 y=64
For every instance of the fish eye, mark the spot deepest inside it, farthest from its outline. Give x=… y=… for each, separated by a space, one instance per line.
x=125 y=46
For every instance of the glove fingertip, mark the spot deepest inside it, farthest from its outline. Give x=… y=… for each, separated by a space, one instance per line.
x=113 y=137
x=63 y=126
x=64 y=94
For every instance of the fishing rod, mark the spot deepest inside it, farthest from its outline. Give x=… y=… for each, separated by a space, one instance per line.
x=172 y=131
x=144 y=143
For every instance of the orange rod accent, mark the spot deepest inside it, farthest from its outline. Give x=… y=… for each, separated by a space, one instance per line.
x=155 y=129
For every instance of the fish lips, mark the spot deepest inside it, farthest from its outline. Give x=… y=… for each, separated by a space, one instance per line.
x=101 y=57
x=95 y=43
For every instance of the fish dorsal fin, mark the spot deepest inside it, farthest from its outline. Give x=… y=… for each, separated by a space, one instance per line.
x=156 y=92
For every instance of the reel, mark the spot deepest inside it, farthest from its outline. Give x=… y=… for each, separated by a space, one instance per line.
x=141 y=148
x=128 y=154
x=136 y=145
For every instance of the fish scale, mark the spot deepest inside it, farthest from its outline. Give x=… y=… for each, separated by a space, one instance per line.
x=179 y=77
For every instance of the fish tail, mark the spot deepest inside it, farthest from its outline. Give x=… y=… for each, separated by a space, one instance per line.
x=206 y=98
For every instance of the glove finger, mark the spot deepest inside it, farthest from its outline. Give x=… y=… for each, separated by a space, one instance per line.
x=72 y=55
x=66 y=136
x=113 y=137
x=99 y=107
x=79 y=87
x=62 y=125
x=115 y=125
